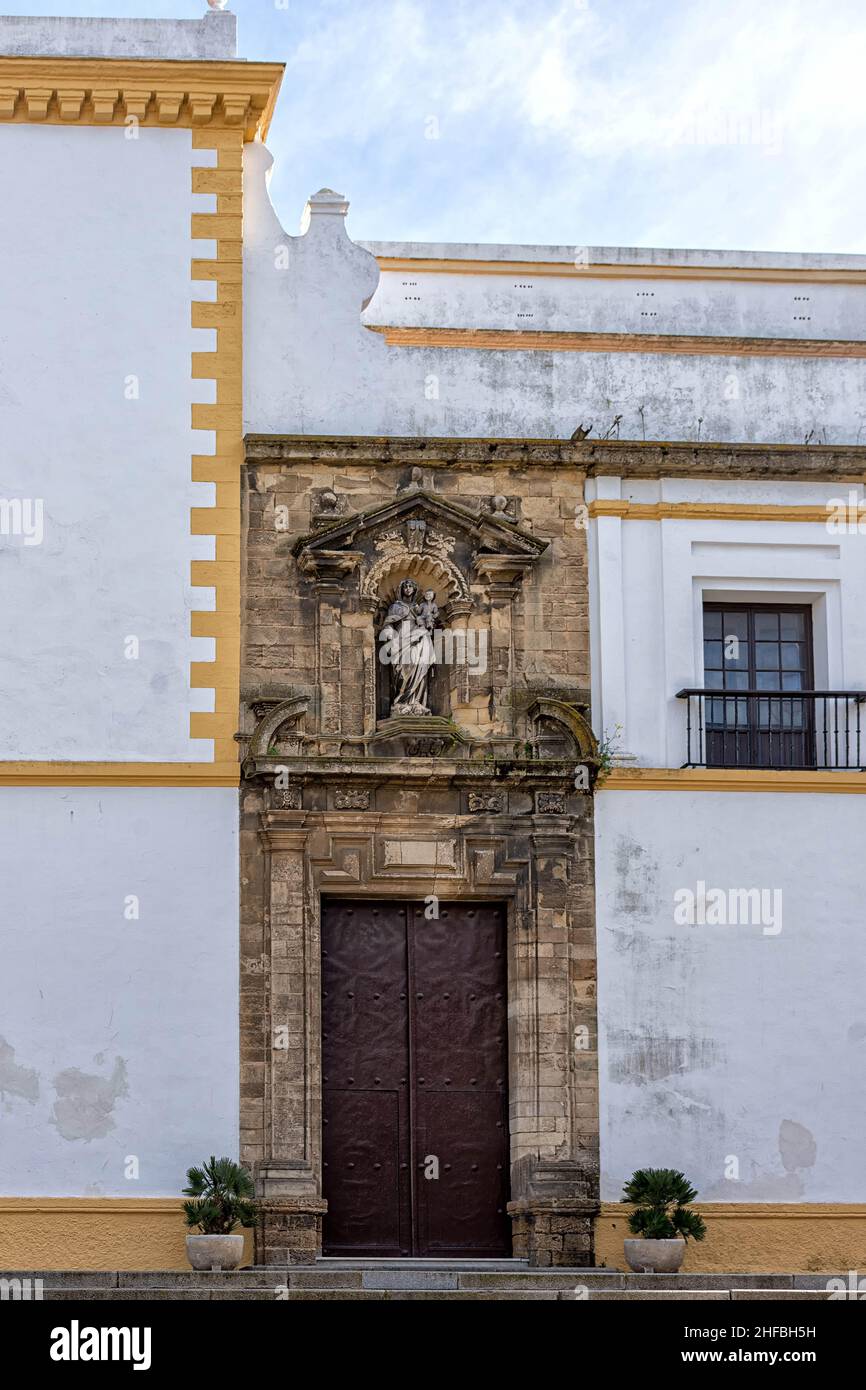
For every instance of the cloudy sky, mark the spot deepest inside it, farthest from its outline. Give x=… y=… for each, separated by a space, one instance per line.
x=708 y=123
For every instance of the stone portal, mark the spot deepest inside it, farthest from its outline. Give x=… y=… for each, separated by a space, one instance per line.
x=481 y=806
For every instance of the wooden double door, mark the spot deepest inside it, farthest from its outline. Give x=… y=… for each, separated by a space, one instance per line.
x=415 y=1079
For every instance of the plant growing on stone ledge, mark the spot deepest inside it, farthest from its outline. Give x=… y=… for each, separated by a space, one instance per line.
x=660 y=1197
x=608 y=747
x=222 y=1197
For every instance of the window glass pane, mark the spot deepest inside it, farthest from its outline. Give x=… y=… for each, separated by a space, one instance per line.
x=713 y=654
x=713 y=679
x=792 y=655
x=766 y=626
x=766 y=680
x=792 y=625
x=766 y=655
x=792 y=680
x=736 y=625
x=736 y=680
x=712 y=623
x=736 y=652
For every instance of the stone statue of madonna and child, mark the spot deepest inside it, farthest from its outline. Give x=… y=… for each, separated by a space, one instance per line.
x=406 y=644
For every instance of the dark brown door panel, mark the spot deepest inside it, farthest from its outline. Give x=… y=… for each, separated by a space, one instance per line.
x=415 y=1051
x=461 y=1212
x=361 y=1154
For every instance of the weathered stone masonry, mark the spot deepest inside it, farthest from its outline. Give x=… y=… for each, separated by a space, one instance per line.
x=477 y=800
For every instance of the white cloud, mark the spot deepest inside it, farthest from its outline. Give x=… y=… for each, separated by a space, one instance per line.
x=673 y=122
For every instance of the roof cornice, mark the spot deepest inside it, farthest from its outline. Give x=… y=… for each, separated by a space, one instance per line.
x=619 y=457
x=157 y=92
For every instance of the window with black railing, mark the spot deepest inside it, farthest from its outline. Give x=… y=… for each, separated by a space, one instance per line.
x=758 y=706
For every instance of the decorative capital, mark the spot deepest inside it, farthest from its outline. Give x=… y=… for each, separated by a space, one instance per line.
x=329 y=566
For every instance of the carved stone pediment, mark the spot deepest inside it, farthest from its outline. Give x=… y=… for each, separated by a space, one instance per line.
x=275 y=717
x=425 y=534
x=561 y=730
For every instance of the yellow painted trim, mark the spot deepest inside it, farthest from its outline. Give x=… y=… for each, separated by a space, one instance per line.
x=108 y=91
x=730 y=779
x=755 y=1237
x=686 y=345
x=95 y=1233
x=708 y=511
x=32 y=774
x=66 y=1204
x=123 y=1233
x=605 y=271
x=225 y=417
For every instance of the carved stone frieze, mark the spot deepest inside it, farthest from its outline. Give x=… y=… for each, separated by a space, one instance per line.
x=352 y=799
x=494 y=802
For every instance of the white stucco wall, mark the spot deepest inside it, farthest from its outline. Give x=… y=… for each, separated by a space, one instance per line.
x=95 y=285
x=586 y=303
x=118 y=1037
x=723 y=1042
x=314 y=366
x=649 y=580
x=214 y=35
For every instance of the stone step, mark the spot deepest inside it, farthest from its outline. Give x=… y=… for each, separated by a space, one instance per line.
x=334 y=1262
x=240 y=1295
x=144 y=1294
x=387 y=1280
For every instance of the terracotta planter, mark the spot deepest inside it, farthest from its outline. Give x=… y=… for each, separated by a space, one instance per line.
x=215 y=1252
x=655 y=1256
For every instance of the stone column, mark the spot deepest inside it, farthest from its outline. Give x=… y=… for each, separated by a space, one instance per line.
x=330 y=571
x=292 y=1209
x=329 y=643
x=459 y=611
x=503 y=576
x=555 y=1177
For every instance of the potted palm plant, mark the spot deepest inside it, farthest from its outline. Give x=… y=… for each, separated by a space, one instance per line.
x=221 y=1194
x=661 y=1220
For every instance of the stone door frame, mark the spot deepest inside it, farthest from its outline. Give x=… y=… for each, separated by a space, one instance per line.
x=531 y=863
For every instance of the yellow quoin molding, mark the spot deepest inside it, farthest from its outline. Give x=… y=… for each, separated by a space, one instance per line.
x=711 y=511
x=599 y=270
x=225 y=418
x=222 y=104
x=755 y=1238
x=98 y=1233
x=681 y=344
x=730 y=779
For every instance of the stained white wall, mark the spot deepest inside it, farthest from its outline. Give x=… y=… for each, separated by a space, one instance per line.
x=720 y=1042
x=95 y=289
x=118 y=1036
x=313 y=365
x=212 y=36
x=649 y=580
x=586 y=303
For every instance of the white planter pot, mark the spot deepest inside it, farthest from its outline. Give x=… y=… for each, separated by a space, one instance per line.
x=215 y=1252
x=655 y=1256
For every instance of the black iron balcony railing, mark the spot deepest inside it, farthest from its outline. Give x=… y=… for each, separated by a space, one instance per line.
x=775 y=728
